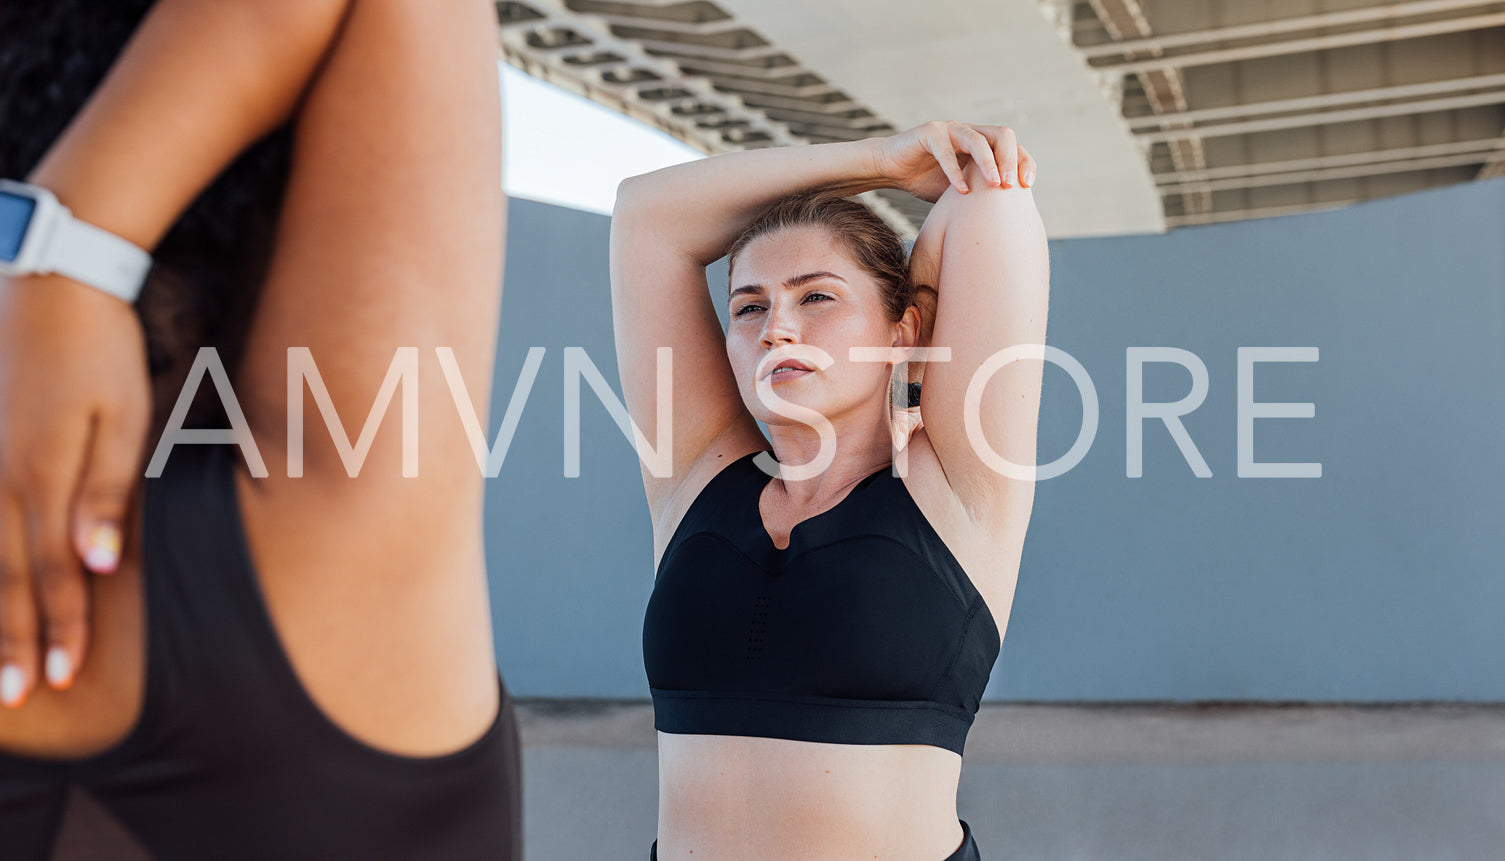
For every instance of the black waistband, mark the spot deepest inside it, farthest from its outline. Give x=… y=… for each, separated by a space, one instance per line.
x=802 y=717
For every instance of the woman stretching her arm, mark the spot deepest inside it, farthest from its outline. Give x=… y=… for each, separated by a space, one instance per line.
x=298 y=666
x=817 y=643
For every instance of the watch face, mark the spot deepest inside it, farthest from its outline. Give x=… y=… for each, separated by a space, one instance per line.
x=15 y=215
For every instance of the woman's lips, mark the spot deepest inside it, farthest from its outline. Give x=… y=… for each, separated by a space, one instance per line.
x=788 y=372
x=788 y=369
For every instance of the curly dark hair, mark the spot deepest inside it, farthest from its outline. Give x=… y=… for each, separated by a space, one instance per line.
x=210 y=266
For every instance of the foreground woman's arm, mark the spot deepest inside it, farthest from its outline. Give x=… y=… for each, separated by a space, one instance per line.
x=199 y=82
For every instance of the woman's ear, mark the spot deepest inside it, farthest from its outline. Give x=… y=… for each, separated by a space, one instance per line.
x=908 y=329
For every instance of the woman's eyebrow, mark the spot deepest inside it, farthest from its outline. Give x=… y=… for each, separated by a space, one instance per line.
x=796 y=281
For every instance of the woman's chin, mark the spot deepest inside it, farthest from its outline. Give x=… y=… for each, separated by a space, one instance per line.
x=795 y=411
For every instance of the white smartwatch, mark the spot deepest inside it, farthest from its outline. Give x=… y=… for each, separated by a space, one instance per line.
x=38 y=235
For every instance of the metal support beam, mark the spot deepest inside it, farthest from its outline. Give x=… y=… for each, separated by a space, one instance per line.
x=1323 y=101
x=1325 y=174
x=663 y=25
x=753 y=85
x=698 y=66
x=1483 y=145
x=1388 y=12
x=1255 y=212
x=1493 y=97
x=690 y=49
x=1314 y=43
x=1495 y=165
x=758 y=100
x=588 y=82
x=683 y=77
x=1166 y=92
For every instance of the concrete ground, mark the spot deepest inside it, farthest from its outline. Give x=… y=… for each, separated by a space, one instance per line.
x=1135 y=783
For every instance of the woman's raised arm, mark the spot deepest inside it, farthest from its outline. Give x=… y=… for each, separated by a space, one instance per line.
x=987 y=257
x=669 y=225
x=199 y=82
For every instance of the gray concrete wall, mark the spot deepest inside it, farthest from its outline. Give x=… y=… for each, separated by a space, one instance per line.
x=1379 y=581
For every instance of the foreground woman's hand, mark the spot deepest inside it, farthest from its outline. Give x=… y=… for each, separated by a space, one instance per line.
x=926 y=159
x=75 y=404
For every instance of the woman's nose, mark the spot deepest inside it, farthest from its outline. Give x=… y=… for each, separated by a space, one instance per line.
x=779 y=327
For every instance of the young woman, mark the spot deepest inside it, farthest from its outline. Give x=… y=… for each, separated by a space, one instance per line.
x=821 y=629
x=281 y=667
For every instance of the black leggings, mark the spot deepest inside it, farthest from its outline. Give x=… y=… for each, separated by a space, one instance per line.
x=965 y=852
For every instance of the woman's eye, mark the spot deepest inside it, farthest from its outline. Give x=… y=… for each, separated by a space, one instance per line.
x=746 y=309
x=817 y=297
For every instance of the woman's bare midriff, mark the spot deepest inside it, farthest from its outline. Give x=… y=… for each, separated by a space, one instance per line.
x=736 y=798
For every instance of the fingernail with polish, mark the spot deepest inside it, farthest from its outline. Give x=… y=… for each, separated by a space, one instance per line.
x=1029 y=177
x=59 y=668
x=103 y=550
x=12 y=686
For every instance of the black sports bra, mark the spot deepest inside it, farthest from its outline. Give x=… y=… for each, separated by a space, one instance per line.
x=230 y=758
x=865 y=630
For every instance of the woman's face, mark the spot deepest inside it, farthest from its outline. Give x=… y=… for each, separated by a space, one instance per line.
x=797 y=288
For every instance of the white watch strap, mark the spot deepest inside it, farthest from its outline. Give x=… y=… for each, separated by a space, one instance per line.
x=96 y=257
